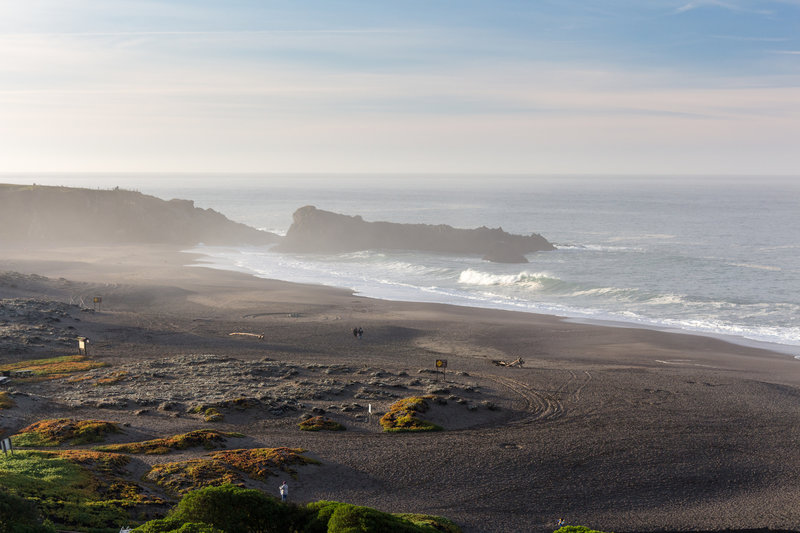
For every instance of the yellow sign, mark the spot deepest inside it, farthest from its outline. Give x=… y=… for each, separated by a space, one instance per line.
x=441 y=363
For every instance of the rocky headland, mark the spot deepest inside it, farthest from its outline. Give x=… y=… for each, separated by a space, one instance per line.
x=317 y=231
x=35 y=214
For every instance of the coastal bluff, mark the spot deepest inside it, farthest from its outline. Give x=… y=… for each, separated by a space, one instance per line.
x=49 y=215
x=316 y=231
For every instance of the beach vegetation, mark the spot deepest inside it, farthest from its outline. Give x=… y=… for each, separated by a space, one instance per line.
x=6 y=402
x=230 y=508
x=258 y=463
x=111 y=379
x=75 y=489
x=210 y=413
x=577 y=529
x=182 y=477
x=57 y=431
x=227 y=467
x=207 y=438
x=51 y=368
x=403 y=415
x=20 y=515
x=319 y=423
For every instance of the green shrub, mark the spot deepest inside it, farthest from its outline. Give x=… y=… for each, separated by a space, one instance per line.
x=348 y=518
x=18 y=515
x=232 y=508
x=318 y=423
x=174 y=525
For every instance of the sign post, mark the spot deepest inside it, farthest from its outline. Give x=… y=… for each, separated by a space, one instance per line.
x=6 y=445
x=97 y=300
x=83 y=346
x=441 y=366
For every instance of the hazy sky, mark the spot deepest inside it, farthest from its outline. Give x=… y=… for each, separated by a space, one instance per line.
x=535 y=86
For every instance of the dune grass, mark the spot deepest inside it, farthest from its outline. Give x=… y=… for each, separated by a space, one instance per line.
x=320 y=423
x=75 y=488
x=58 y=431
x=52 y=368
x=227 y=467
x=403 y=416
x=6 y=402
x=207 y=438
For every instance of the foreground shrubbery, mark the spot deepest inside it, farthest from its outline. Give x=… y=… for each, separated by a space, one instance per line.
x=231 y=509
x=78 y=489
x=18 y=515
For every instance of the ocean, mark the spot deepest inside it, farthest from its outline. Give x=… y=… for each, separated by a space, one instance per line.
x=717 y=256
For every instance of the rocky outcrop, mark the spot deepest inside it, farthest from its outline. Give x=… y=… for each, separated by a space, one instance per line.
x=318 y=231
x=40 y=215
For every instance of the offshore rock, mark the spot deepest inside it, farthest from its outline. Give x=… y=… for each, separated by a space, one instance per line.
x=316 y=231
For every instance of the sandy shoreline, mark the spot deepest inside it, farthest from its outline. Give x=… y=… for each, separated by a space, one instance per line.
x=623 y=429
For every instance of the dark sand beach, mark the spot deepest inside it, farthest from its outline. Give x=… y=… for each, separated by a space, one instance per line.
x=619 y=429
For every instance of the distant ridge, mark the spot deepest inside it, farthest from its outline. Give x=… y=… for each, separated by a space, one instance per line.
x=45 y=215
x=315 y=230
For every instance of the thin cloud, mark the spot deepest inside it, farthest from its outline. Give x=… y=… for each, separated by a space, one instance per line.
x=691 y=6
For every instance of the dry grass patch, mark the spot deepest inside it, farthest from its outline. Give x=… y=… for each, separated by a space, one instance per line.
x=320 y=423
x=403 y=416
x=111 y=379
x=227 y=467
x=52 y=368
x=207 y=438
x=210 y=413
x=57 y=431
x=6 y=402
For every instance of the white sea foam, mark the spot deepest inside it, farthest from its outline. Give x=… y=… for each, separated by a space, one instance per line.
x=531 y=280
x=756 y=266
x=675 y=264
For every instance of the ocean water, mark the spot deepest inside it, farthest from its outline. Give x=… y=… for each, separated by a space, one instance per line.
x=709 y=255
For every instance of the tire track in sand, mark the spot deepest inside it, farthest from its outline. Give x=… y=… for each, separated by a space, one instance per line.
x=537 y=405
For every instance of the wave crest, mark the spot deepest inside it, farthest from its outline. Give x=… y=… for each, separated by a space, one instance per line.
x=525 y=279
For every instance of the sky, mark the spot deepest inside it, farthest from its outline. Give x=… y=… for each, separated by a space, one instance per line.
x=513 y=87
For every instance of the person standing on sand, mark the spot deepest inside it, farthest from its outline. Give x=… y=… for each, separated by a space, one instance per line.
x=284 y=490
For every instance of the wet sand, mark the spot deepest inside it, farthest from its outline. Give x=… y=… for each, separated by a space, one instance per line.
x=619 y=429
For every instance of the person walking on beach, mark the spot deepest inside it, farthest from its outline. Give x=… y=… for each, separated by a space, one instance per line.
x=284 y=490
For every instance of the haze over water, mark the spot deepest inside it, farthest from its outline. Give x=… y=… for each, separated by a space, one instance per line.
x=709 y=255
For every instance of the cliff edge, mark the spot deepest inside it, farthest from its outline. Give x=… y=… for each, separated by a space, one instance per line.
x=35 y=214
x=315 y=230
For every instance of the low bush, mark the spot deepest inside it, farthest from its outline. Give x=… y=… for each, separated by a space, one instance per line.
x=207 y=438
x=236 y=509
x=18 y=515
x=210 y=414
x=57 y=431
x=233 y=509
x=320 y=423
x=403 y=416
x=75 y=488
x=6 y=402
